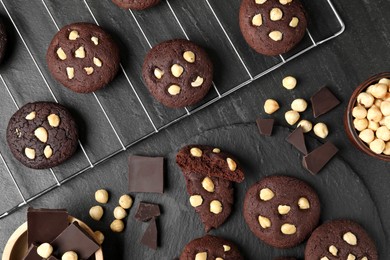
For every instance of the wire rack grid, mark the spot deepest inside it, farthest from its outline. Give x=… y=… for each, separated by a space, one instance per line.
x=124 y=114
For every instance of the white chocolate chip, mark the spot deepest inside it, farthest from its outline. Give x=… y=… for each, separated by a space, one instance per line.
x=80 y=53
x=299 y=105
x=291 y=117
x=126 y=201
x=88 y=70
x=294 y=22
x=99 y=236
x=367 y=135
x=377 y=146
x=41 y=134
x=226 y=248
x=306 y=125
x=30 y=153
x=177 y=70
x=216 y=150
x=70 y=255
x=257 y=20
x=196 y=152
x=271 y=106
x=276 y=14
x=73 y=35
x=96 y=213
x=260 y=2
x=97 y=62
x=264 y=222
x=266 y=194
x=360 y=124
x=289 y=82
x=288 y=229
x=383 y=133
x=45 y=250
x=215 y=207
x=198 y=82
x=101 y=196
x=364 y=258
x=365 y=99
x=61 y=54
x=54 y=120
x=201 y=256
x=284 y=209
x=174 y=90
x=231 y=164
x=208 y=184
x=120 y=213
x=48 y=152
x=359 y=112
x=350 y=238
x=303 y=203
x=158 y=73
x=219 y=258
x=284 y=2
x=31 y=116
x=196 y=200
x=333 y=250
x=276 y=36
x=189 y=56
x=351 y=257
x=95 y=40
x=321 y=130
x=70 y=72
x=324 y=258
x=117 y=226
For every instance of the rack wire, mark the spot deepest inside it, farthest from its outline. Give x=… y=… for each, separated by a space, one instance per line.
x=22 y=185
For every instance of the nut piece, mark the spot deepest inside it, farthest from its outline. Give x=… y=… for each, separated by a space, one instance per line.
x=257 y=20
x=360 y=124
x=189 y=56
x=271 y=106
x=379 y=90
x=350 y=238
x=208 y=184
x=54 y=120
x=73 y=35
x=294 y=22
x=99 y=237
x=96 y=213
x=291 y=117
x=95 y=40
x=198 y=82
x=266 y=194
x=226 y=248
x=70 y=255
x=196 y=200
x=284 y=2
x=333 y=250
x=374 y=114
x=31 y=116
x=284 y=209
x=321 y=130
x=125 y=201
x=30 y=153
x=48 y=152
x=289 y=82
x=359 y=112
x=351 y=257
x=80 y=53
x=61 y=54
x=173 y=90
x=158 y=73
x=196 y=152
x=365 y=99
x=45 y=250
x=177 y=70
x=306 y=125
x=120 y=213
x=367 y=136
x=385 y=108
x=276 y=14
x=117 y=226
x=97 y=62
x=101 y=196
x=276 y=35
x=264 y=222
x=201 y=256
x=259 y=2
x=232 y=164
x=299 y=105
x=88 y=70
x=383 y=133
x=216 y=150
x=215 y=206
x=303 y=203
x=387 y=149
x=377 y=146
x=41 y=134
x=70 y=72
x=288 y=229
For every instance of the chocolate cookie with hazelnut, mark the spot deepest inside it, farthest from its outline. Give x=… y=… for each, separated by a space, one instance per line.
x=209 y=175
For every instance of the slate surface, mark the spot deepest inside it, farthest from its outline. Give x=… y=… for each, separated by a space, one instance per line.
x=341 y=64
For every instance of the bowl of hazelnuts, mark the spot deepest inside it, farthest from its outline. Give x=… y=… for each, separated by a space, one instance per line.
x=367 y=117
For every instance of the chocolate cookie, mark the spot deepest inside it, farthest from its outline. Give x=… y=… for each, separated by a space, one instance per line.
x=136 y=4
x=209 y=174
x=210 y=247
x=282 y=211
x=42 y=135
x=178 y=73
x=3 y=40
x=83 y=57
x=340 y=239
x=272 y=27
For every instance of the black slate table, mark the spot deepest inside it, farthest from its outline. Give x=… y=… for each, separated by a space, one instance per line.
x=341 y=64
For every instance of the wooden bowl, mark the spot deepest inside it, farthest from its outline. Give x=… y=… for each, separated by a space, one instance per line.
x=352 y=133
x=16 y=247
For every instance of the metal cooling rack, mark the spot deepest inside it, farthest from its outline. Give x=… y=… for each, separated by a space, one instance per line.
x=124 y=114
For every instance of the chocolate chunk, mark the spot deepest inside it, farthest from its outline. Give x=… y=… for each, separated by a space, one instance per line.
x=147 y=211
x=317 y=159
x=323 y=101
x=75 y=238
x=297 y=139
x=32 y=254
x=149 y=238
x=44 y=225
x=146 y=174
x=265 y=126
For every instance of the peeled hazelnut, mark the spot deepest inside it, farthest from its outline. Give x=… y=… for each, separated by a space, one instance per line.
x=351 y=257
x=95 y=40
x=173 y=90
x=31 y=115
x=259 y=2
x=30 y=153
x=215 y=207
x=386 y=151
x=80 y=53
x=201 y=256
x=374 y=114
x=45 y=250
x=208 y=184
x=120 y=213
x=289 y=82
x=257 y=20
x=350 y=238
x=359 y=124
x=377 y=146
x=359 y=112
x=306 y=125
x=117 y=226
x=271 y=106
x=196 y=152
x=41 y=134
x=70 y=255
x=288 y=229
x=333 y=250
x=385 y=81
x=231 y=164
x=373 y=125
x=177 y=70
x=54 y=120
x=365 y=99
x=125 y=201
x=291 y=117
x=96 y=213
x=294 y=22
x=303 y=203
x=70 y=72
x=99 y=236
x=299 y=105
x=276 y=35
x=386 y=121
x=264 y=222
x=197 y=83
x=158 y=73
x=226 y=248
x=266 y=194
x=97 y=62
x=101 y=196
x=196 y=200
x=383 y=133
x=276 y=14
x=321 y=130
x=48 y=152
x=369 y=89
x=379 y=90
x=378 y=102
x=284 y=209
x=385 y=108
x=73 y=35
x=61 y=54
x=367 y=135
x=189 y=56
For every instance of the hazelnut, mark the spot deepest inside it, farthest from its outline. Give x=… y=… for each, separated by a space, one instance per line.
x=70 y=255
x=201 y=256
x=61 y=54
x=45 y=250
x=385 y=81
x=101 y=196
x=266 y=194
x=173 y=90
x=208 y=184
x=377 y=146
x=41 y=134
x=294 y=22
x=379 y=90
x=276 y=14
x=264 y=222
x=259 y=2
x=177 y=70
x=189 y=56
x=284 y=209
x=289 y=82
x=359 y=112
x=359 y=124
x=288 y=229
x=196 y=152
x=226 y=248
x=369 y=89
x=351 y=257
x=70 y=72
x=303 y=203
x=271 y=106
x=48 y=152
x=231 y=164
x=80 y=53
x=291 y=117
x=373 y=125
x=321 y=130
x=367 y=135
x=96 y=213
x=73 y=35
x=97 y=62
x=125 y=201
x=374 y=114
x=386 y=151
x=198 y=82
x=365 y=99
x=120 y=213
x=333 y=250
x=158 y=73
x=31 y=116
x=306 y=125
x=386 y=121
x=196 y=200
x=378 y=102
x=54 y=120
x=99 y=237
x=383 y=133
x=385 y=108
x=299 y=105
x=30 y=153
x=216 y=150
x=95 y=40
x=117 y=226
x=257 y=20
x=276 y=36
x=215 y=206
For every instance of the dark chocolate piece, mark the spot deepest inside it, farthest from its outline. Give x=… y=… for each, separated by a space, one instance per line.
x=149 y=238
x=297 y=139
x=147 y=211
x=317 y=159
x=265 y=126
x=44 y=225
x=146 y=174
x=75 y=238
x=32 y=254
x=323 y=101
